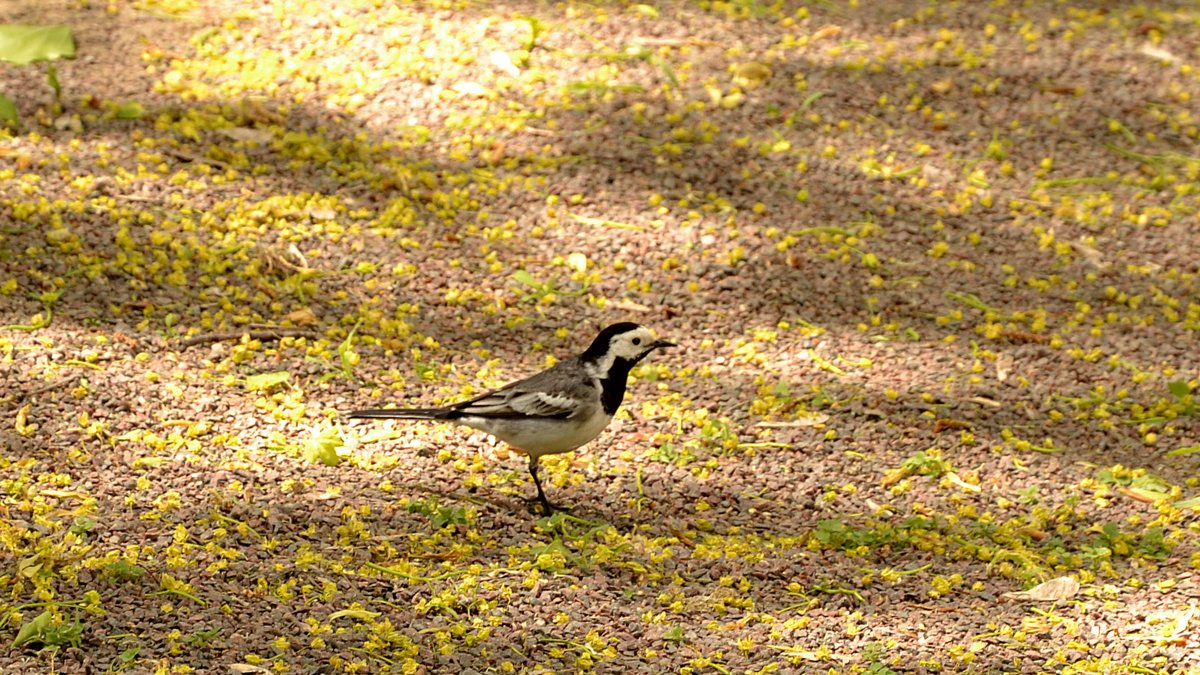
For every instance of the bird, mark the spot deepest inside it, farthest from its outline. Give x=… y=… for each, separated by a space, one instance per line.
x=557 y=410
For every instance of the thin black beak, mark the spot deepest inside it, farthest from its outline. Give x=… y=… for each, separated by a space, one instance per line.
x=659 y=344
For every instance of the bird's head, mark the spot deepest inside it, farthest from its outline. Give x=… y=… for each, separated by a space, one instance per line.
x=625 y=343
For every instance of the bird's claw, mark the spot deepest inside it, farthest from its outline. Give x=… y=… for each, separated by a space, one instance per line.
x=543 y=507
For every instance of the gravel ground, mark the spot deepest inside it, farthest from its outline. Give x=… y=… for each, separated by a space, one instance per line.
x=932 y=267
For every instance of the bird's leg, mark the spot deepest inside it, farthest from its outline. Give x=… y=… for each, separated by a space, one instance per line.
x=547 y=507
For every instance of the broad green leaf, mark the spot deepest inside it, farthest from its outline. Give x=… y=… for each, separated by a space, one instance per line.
x=323 y=448
x=1178 y=388
x=8 y=109
x=34 y=629
x=267 y=381
x=26 y=44
x=1151 y=484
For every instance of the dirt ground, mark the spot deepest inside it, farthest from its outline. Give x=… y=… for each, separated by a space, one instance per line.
x=934 y=270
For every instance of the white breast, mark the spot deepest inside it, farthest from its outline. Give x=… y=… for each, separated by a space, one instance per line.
x=542 y=437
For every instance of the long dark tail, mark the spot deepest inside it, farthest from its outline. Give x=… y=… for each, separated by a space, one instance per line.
x=403 y=414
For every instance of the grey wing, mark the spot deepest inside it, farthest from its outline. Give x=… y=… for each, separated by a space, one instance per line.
x=550 y=394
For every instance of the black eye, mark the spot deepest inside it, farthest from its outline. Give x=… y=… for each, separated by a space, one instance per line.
x=637 y=341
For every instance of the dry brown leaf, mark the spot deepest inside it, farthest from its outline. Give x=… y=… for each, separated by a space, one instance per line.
x=247 y=134
x=1158 y=53
x=807 y=421
x=1143 y=496
x=1004 y=364
x=68 y=123
x=247 y=668
x=502 y=61
x=969 y=487
x=1055 y=589
x=322 y=213
x=63 y=494
x=827 y=32
x=255 y=111
x=682 y=537
x=1034 y=534
x=1180 y=621
x=893 y=476
x=302 y=317
x=942 y=86
x=732 y=100
x=21 y=426
x=1091 y=254
x=751 y=74
x=472 y=89
x=949 y=423
x=630 y=306
x=494 y=153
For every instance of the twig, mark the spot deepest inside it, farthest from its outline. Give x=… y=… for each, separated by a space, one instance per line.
x=189 y=157
x=273 y=334
x=44 y=389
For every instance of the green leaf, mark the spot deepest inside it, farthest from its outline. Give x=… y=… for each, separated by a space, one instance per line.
x=526 y=278
x=536 y=29
x=380 y=435
x=1185 y=450
x=346 y=353
x=674 y=634
x=668 y=72
x=1193 y=503
x=1178 y=388
x=26 y=44
x=811 y=99
x=202 y=637
x=34 y=629
x=8 y=110
x=130 y=110
x=82 y=526
x=123 y=571
x=323 y=448
x=52 y=78
x=267 y=381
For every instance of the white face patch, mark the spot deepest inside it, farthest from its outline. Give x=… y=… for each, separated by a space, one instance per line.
x=629 y=346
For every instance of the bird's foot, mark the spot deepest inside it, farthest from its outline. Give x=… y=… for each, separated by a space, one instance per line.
x=543 y=507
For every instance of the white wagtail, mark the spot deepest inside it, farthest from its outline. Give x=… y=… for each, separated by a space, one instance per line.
x=555 y=411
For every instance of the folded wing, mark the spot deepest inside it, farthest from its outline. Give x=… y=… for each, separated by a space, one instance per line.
x=512 y=403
